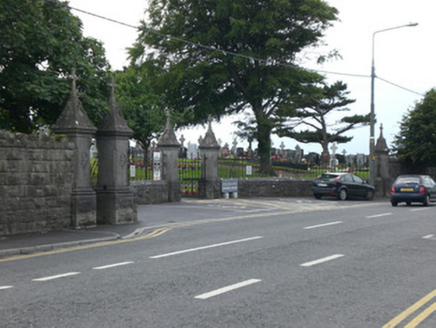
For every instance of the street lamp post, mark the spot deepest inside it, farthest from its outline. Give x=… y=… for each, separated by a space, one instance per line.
x=372 y=115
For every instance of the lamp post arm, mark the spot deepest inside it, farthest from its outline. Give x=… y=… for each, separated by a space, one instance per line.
x=372 y=109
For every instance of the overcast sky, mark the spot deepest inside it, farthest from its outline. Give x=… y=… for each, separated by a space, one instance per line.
x=403 y=56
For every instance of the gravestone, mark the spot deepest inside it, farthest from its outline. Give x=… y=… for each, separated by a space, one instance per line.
x=192 y=151
x=360 y=159
x=235 y=144
x=225 y=152
x=282 y=147
x=240 y=152
x=298 y=154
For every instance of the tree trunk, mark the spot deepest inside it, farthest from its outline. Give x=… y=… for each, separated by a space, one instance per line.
x=325 y=156
x=264 y=148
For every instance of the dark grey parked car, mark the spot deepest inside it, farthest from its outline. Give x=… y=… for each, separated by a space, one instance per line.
x=342 y=186
x=412 y=188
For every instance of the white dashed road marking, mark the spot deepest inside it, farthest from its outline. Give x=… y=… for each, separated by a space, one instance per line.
x=325 y=259
x=57 y=276
x=227 y=289
x=419 y=209
x=6 y=287
x=111 y=265
x=378 y=215
x=205 y=247
x=323 y=225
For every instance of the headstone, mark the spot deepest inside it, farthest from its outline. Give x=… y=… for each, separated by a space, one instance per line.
x=240 y=152
x=360 y=159
x=282 y=147
x=225 y=152
x=333 y=148
x=298 y=154
x=192 y=151
x=235 y=144
x=94 y=150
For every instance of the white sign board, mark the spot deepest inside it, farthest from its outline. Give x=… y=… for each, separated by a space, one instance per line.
x=249 y=170
x=157 y=166
x=132 y=171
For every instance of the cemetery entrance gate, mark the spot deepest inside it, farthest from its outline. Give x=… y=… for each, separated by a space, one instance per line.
x=190 y=173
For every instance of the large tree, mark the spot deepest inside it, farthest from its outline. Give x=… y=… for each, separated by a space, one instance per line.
x=416 y=141
x=41 y=42
x=142 y=108
x=314 y=109
x=235 y=55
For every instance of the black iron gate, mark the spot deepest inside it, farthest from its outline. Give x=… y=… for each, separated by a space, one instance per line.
x=190 y=173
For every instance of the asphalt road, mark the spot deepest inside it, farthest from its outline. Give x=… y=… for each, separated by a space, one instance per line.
x=238 y=263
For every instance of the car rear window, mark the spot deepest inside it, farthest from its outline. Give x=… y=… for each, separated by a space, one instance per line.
x=327 y=177
x=407 y=180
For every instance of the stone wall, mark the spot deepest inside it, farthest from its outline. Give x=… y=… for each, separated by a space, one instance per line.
x=264 y=187
x=36 y=180
x=150 y=192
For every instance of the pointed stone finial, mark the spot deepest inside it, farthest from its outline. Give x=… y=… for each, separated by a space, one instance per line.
x=168 y=137
x=113 y=87
x=381 y=145
x=73 y=118
x=209 y=140
x=73 y=77
x=168 y=115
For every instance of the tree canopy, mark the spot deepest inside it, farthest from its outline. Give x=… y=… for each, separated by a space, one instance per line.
x=41 y=42
x=313 y=109
x=224 y=56
x=416 y=141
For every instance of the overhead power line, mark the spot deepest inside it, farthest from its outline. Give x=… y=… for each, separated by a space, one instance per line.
x=399 y=86
x=251 y=59
x=225 y=52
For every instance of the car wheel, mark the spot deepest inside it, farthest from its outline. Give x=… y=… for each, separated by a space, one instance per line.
x=343 y=195
x=394 y=203
x=427 y=200
x=369 y=195
x=317 y=196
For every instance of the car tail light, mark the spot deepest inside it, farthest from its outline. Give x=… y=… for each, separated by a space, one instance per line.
x=337 y=179
x=421 y=189
x=393 y=189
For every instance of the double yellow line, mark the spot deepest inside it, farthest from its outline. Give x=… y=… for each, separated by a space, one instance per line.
x=419 y=318
x=153 y=234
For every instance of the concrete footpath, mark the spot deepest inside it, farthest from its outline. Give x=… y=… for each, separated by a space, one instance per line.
x=42 y=242
x=150 y=217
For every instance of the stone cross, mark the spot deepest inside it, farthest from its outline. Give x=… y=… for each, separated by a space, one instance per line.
x=200 y=140
x=282 y=147
x=112 y=85
x=235 y=143
x=344 y=152
x=182 y=140
x=74 y=78
x=334 y=148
